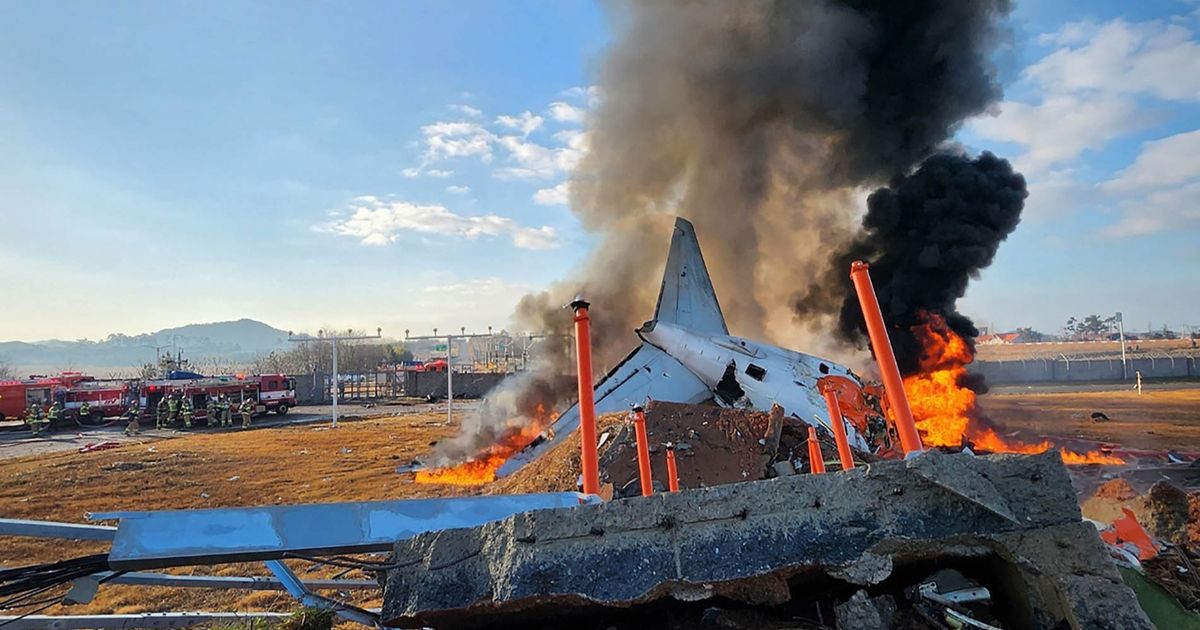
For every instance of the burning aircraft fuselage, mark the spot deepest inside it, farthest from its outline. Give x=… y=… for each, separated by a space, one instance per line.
x=743 y=372
x=688 y=356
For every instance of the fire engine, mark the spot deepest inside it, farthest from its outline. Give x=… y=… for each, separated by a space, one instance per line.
x=270 y=392
x=108 y=399
x=72 y=389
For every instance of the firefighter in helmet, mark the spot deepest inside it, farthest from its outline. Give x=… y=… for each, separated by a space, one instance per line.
x=247 y=412
x=173 y=409
x=54 y=414
x=185 y=409
x=85 y=411
x=134 y=414
x=33 y=416
x=161 y=413
x=226 y=418
x=210 y=410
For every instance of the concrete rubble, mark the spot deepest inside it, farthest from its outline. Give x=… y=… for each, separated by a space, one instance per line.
x=805 y=551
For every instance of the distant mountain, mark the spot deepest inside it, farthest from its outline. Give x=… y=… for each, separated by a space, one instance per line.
x=231 y=342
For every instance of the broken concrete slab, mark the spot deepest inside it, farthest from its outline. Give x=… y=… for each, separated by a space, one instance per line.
x=774 y=544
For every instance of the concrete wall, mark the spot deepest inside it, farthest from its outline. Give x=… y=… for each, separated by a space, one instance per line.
x=466 y=385
x=1082 y=370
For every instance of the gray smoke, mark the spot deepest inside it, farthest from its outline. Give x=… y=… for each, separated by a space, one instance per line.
x=759 y=121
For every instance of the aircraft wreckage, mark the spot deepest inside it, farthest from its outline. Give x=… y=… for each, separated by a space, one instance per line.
x=687 y=355
x=935 y=540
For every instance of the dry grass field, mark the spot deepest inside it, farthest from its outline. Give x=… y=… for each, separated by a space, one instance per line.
x=357 y=462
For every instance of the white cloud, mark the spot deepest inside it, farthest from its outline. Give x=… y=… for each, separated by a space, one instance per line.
x=475 y=286
x=458 y=190
x=1087 y=91
x=1061 y=127
x=560 y=195
x=376 y=221
x=535 y=161
x=418 y=171
x=591 y=94
x=1176 y=208
x=565 y=112
x=468 y=110
x=1160 y=190
x=1168 y=161
x=1156 y=58
x=525 y=122
x=457 y=139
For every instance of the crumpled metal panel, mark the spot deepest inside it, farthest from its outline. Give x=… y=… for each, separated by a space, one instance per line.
x=183 y=537
x=647 y=373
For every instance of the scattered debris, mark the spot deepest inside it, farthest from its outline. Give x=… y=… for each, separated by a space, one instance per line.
x=91 y=447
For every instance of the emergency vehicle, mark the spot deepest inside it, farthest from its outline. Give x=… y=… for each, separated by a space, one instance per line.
x=270 y=392
x=72 y=389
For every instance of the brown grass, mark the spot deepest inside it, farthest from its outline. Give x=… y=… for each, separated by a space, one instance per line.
x=300 y=464
x=1157 y=419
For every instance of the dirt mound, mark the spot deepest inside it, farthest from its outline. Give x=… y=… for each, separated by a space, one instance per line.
x=557 y=470
x=1117 y=489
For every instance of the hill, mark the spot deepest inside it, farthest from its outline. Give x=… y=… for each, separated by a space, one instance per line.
x=232 y=342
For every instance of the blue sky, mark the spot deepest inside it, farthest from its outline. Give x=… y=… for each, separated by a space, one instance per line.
x=400 y=164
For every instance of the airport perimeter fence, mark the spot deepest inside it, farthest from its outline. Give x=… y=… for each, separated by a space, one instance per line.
x=1082 y=370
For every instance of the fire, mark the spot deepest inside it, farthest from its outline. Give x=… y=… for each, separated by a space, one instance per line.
x=945 y=410
x=482 y=468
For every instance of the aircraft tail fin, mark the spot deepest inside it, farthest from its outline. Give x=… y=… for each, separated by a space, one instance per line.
x=687 y=298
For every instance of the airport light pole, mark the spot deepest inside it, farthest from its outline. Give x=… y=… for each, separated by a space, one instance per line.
x=1121 y=334
x=334 y=339
x=449 y=360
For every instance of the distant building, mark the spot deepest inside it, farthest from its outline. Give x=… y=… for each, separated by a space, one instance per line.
x=999 y=339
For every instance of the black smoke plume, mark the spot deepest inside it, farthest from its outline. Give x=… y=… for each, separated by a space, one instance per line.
x=757 y=120
x=925 y=236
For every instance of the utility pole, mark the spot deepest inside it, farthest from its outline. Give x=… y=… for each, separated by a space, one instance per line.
x=333 y=339
x=449 y=360
x=1121 y=334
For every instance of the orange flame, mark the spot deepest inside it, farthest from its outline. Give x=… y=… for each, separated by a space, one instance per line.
x=482 y=468
x=945 y=411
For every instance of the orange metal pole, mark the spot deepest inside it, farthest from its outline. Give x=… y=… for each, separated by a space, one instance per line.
x=893 y=385
x=588 y=459
x=816 y=461
x=643 y=451
x=839 y=428
x=672 y=471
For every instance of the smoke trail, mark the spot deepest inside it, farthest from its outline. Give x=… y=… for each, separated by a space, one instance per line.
x=926 y=235
x=757 y=120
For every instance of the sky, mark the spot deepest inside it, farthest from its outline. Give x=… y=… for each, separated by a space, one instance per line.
x=402 y=165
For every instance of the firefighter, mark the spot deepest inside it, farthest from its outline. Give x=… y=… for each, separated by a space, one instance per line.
x=173 y=409
x=54 y=414
x=85 y=411
x=161 y=413
x=226 y=420
x=34 y=417
x=185 y=409
x=134 y=414
x=210 y=410
x=247 y=411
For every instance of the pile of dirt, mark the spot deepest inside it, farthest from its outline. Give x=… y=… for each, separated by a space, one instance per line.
x=558 y=469
x=713 y=446
x=1175 y=571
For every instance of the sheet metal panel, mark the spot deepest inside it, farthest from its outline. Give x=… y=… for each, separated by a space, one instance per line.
x=54 y=529
x=647 y=373
x=174 y=538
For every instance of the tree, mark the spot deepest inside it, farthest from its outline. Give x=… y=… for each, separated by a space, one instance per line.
x=6 y=372
x=1030 y=335
x=1090 y=327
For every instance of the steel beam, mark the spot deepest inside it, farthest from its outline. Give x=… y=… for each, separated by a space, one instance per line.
x=141 y=620
x=297 y=589
x=248 y=582
x=146 y=540
x=55 y=529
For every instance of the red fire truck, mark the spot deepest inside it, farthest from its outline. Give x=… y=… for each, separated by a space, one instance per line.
x=271 y=392
x=72 y=389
